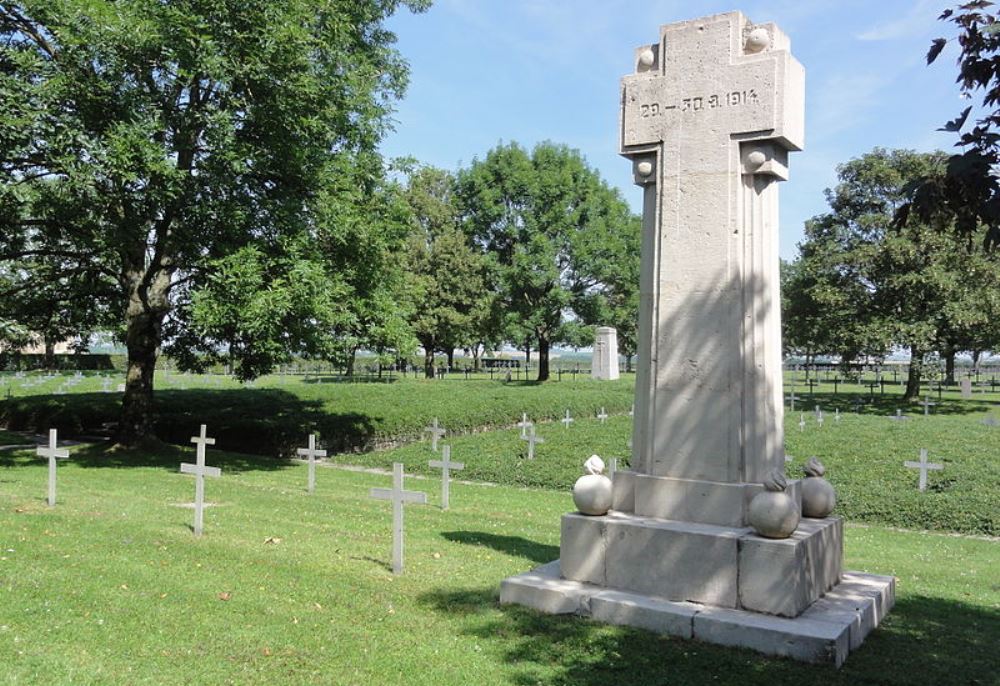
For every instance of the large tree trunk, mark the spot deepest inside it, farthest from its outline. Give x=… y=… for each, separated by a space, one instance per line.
x=451 y=359
x=628 y=363
x=543 y=358
x=351 y=361
x=50 y=354
x=527 y=352
x=147 y=307
x=913 y=378
x=949 y=366
x=975 y=358
x=429 y=370
x=475 y=356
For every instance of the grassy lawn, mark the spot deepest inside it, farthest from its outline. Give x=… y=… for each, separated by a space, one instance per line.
x=863 y=453
x=110 y=587
x=8 y=438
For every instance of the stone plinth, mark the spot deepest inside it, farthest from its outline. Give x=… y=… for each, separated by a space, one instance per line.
x=713 y=565
x=827 y=632
x=604 y=364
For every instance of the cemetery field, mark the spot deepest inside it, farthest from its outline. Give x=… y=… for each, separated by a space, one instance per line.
x=270 y=416
x=863 y=453
x=111 y=587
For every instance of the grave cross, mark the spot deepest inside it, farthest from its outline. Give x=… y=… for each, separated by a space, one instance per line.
x=602 y=415
x=927 y=405
x=612 y=467
x=567 y=420
x=532 y=439
x=200 y=471
x=524 y=424
x=53 y=454
x=436 y=432
x=899 y=416
x=311 y=453
x=445 y=465
x=802 y=421
x=791 y=400
x=397 y=496
x=923 y=466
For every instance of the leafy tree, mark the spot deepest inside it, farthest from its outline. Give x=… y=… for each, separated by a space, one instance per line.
x=878 y=285
x=167 y=148
x=967 y=196
x=533 y=214
x=447 y=275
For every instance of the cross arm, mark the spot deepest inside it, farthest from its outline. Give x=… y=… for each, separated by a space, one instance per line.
x=438 y=464
x=188 y=468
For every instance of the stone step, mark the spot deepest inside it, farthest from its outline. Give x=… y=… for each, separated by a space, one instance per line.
x=826 y=632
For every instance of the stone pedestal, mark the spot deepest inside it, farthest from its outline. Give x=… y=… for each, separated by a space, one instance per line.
x=708 y=119
x=604 y=364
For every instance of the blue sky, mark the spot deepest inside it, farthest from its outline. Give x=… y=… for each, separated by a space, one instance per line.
x=486 y=71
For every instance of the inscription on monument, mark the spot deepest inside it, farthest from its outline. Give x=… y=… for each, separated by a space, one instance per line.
x=701 y=102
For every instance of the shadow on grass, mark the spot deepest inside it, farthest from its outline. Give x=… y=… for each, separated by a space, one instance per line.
x=338 y=378
x=510 y=545
x=924 y=640
x=262 y=421
x=888 y=404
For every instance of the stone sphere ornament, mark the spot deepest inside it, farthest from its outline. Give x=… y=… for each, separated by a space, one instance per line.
x=773 y=513
x=592 y=491
x=818 y=496
x=758 y=40
x=646 y=58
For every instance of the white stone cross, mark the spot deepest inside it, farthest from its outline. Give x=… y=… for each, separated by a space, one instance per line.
x=532 y=439
x=923 y=466
x=602 y=415
x=612 y=467
x=899 y=417
x=524 y=424
x=836 y=416
x=927 y=405
x=802 y=421
x=311 y=453
x=708 y=119
x=200 y=471
x=791 y=400
x=819 y=416
x=445 y=465
x=53 y=454
x=436 y=433
x=398 y=496
x=567 y=420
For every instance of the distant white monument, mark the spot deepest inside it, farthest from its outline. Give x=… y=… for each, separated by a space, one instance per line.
x=708 y=119
x=604 y=365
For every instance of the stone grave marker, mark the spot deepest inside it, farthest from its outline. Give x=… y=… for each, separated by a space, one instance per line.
x=200 y=471
x=524 y=424
x=791 y=400
x=966 y=389
x=928 y=403
x=923 y=466
x=397 y=496
x=836 y=414
x=604 y=363
x=311 y=453
x=532 y=440
x=899 y=416
x=567 y=420
x=708 y=119
x=446 y=466
x=802 y=421
x=436 y=433
x=602 y=415
x=52 y=453
x=612 y=467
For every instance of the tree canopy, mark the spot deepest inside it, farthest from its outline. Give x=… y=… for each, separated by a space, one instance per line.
x=165 y=152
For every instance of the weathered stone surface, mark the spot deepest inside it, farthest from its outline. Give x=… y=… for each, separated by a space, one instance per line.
x=784 y=576
x=826 y=632
x=543 y=590
x=644 y=612
x=604 y=363
x=673 y=560
x=692 y=500
x=708 y=120
x=583 y=548
x=623 y=491
x=801 y=639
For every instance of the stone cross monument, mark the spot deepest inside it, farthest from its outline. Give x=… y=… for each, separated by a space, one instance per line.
x=604 y=361
x=708 y=119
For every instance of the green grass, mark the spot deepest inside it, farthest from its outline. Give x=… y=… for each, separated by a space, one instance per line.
x=110 y=587
x=274 y=416
x=8 y=438
x=863 y=454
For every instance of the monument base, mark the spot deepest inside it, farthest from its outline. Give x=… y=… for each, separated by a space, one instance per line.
x=825 y=632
